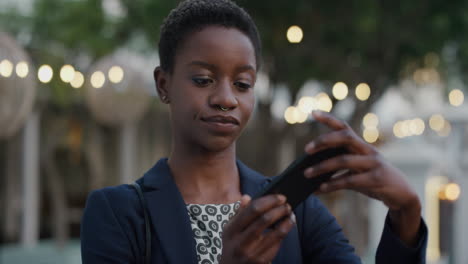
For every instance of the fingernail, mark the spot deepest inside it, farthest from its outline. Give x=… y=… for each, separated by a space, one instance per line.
x=308 y=172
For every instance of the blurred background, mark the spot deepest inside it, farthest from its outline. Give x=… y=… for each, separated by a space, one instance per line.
x=78 y=108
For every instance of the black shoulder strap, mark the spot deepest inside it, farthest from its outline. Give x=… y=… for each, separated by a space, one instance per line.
x=147 y=255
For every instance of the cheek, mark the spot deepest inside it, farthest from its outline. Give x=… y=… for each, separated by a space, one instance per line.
x=248 y=106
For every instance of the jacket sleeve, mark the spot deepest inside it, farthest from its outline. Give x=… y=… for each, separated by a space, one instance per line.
x=322 y=239
x=392 y=250
x=103 y=239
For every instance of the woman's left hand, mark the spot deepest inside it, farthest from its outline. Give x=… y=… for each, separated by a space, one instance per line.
x=368 y=173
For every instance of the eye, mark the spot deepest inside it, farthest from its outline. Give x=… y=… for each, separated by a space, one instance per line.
x=243 y=85
x=201 y=82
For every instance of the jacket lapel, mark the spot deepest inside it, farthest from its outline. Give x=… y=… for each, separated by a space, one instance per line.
x=169 y=215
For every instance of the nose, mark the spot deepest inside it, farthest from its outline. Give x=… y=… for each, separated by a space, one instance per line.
x=223 y=96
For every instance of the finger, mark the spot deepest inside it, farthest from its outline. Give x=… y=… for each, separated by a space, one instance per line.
x=266 y=220
x=359 y=182
x=329 y=120
x=345 y=137
x=253 y=210
x=356 y=163
x=275 y=236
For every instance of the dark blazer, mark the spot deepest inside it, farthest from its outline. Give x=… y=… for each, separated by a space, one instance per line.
x=112 y=229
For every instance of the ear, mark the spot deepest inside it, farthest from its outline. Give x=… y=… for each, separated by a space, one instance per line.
x=161 y=79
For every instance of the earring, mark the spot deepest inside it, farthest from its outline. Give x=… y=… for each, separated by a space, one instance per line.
x=164 y=99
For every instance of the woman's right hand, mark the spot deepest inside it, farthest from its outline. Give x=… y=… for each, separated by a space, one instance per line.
x=249 y=238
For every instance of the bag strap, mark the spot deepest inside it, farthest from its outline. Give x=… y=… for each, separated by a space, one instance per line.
x=147 y=255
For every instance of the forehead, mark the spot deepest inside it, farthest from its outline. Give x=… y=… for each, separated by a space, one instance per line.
x=217 y=45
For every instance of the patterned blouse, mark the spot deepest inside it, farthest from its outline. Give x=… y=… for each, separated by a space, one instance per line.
x=208 y=221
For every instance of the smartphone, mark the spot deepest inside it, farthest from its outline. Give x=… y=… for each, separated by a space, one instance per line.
x=294 y=185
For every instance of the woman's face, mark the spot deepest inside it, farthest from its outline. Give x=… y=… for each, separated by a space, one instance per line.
x=211 y=88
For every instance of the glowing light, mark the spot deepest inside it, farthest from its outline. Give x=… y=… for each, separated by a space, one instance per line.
x=67 y=72
x=340 y=90
x=294 y=34
x=370 y=120
x=307 y=104
x=445 y=130
x=45 y=73
x=456 y=97
x=452 y=191
x=363 y=91
x=78 y=80
x=324 y=103
x=417 y=126
x=98 y=79
x=6 y=68
x=290 y=115
x=115 y=74
x=22 y=69
x=436 y=122
x=370 y=134
x=397 y=130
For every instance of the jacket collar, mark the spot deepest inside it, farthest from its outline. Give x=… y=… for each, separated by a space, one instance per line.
x=169 y=214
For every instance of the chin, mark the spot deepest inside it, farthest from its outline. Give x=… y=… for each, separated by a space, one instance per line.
x=219 y=144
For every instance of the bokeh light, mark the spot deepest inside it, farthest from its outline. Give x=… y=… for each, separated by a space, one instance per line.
x=436 y=122
x=22 y=69
x=307 y=104
x=45 y=73
x=324 y=103
x=115 y=74
x=452 y=191
x=340 y=90
x=363 y=91
x=78 y=80
x=6 y=68
x=370 y=120
x=98 y=79
x=290 y=115
x=294 y=34
x=67 y=72
x=370 y=134
x=456 y=97
x=446 y=129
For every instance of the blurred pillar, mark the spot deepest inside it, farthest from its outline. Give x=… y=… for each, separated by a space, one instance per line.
x=30 y=159
x=127 y=152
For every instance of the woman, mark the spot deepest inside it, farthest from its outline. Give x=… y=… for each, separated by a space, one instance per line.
x=199 y=198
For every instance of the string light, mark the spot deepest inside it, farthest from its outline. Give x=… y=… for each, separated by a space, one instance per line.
x=6 y=68
x=67 y=72
x=307 y=104
x=370 y=120
x=370 y=134
x=456 y=97
x=290 y=115
x=436 y=122
x=45 y=73
x=115 y=74
x=98 y=79
x=340 y=90
x=294 y=34
x=324 y=103
x=363 y=91
x=22 y=69
x=78 y=80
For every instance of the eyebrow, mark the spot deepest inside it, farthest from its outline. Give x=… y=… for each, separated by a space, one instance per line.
x=213 y=67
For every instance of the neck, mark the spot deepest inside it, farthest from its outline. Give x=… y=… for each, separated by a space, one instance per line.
x=205 y=177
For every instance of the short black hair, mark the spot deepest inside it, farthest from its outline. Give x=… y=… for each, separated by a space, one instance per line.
x=193 y=15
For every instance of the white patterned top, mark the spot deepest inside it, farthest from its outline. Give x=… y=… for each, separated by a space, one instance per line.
x=208 y=221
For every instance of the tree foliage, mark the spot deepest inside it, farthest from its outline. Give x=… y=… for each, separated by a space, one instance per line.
x=377 y=42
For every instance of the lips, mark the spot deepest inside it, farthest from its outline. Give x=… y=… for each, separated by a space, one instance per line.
x=219 y=119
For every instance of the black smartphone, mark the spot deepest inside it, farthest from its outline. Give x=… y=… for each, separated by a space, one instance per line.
x=294 y=185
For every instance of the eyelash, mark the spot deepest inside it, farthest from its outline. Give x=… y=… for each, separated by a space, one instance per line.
x=202 y=82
